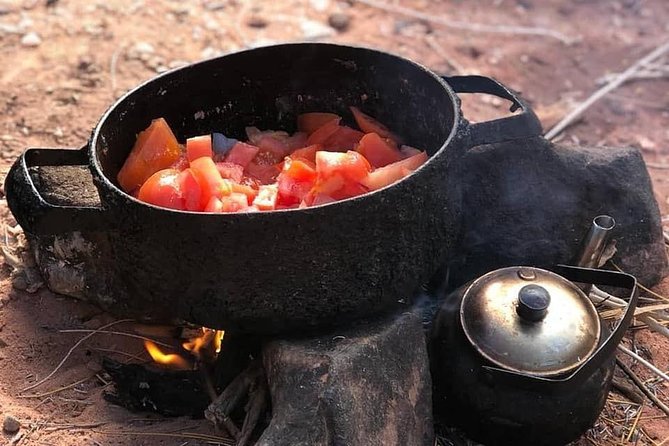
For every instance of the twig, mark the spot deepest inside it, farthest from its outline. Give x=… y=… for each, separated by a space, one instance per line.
x=468 y=26
x=77 y=344
x=636 y=422
x=112 y=69
x=657 y=166
x=117 y=333
x=625 y=368
x=54 y=391
x=612 y=85
x=190 y=435
x=627 y=390
x=648 y=365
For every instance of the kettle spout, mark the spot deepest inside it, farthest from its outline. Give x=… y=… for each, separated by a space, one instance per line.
x=595 y=242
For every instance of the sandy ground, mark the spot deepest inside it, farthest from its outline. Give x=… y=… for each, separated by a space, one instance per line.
x=55 y=84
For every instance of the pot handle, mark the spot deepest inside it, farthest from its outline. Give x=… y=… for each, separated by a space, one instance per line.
x=605 y=351
x=521 y=125
x=35 y=214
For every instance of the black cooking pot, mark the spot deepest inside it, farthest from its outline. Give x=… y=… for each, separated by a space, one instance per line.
x=519 y=356
x=283 y=270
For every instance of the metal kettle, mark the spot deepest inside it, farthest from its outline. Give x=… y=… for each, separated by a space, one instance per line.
x=520 y=356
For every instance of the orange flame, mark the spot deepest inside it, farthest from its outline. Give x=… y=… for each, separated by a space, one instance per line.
x=171 y=359
x=208 y=344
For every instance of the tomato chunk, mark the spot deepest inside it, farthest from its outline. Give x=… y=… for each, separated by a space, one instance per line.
x=350 y=165
x=156 y=148
x=345 y=138
x=211 y=182
x=163 y=189
x=378 y=151
x=321 y=135
x=215 y=205
x=295 y=181
x=192 y=191
x=308 y=153
x=384 y=176
x=231 y=171
x=370 y=125
x=265 y=174
x=235 y=202
x=310 y=122
x=198 y=147
x=242 y=154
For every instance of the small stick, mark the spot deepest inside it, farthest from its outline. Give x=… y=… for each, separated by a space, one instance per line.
x=648 y=365
x=628 y=391
x=77 y=344
x=636 y=422
x=468 y=26
x=117 y=333
x=60 y=389
x=624 y=367
x=612 y=85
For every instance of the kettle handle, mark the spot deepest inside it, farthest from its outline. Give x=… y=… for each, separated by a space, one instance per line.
x=605 y=351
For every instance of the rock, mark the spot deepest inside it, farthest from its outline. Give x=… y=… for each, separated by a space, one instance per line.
x=339 y=21
x=10 y=424
x=7 y=7
x=319 y=5
x=256 y=22
x=531 y=202
x=312 y=30
x=31 y=40
x=365 y=386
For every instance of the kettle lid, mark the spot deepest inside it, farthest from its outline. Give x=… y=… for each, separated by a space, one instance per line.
x=530 y=321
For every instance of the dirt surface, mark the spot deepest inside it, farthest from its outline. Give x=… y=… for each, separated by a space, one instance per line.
x=54 y=86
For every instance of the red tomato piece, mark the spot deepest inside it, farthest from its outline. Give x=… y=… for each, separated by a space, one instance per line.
x=198 y=147
x=181 y=163
x=242 y=154
x=345 y=138
x=295 y=181
x=324 y=132
x=266 y=199
x=308 y=153
x=156 y=148
x=351 y=165
x=378 y=151
x=370 y=125
x=299 y=169
x=214 y=205
x=248 y=191
x=310 y=122
x=163 y=189
x=231 y=171
x=211 y=183
x=264 y=174
x=384 y=176
x=192 y=191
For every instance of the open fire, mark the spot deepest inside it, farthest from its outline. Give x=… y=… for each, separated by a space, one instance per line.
x=204 y=347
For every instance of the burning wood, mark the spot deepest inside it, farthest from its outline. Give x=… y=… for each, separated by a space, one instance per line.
x=203 y=348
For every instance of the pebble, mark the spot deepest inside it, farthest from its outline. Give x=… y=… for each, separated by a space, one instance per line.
x=143 y=48
x=19 y=282
x=32 y=39
x=312 y=30
x=339 y=21
x=256 y=22
x=320 y=5
x=10 y=424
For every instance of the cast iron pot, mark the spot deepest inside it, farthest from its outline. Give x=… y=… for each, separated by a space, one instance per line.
x=276 y=271
x=520 y=357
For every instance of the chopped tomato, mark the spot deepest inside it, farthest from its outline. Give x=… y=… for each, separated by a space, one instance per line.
x=310 y=122
x=231 y=171
x=322 y=199
x=264 y=174
x=215 y=205
x=370 y=125
x=345 y=138
x=350 y=165
x=378 y=151
x=210 y=180
x=181 y=163
x=324 y=132
x=156 y=148
x=295 y=181
x=192 y=191
x=163 y=189
x=242 y=154
x=308 y=153
x=408 y=151
x=198 y=147
x=266 y=199
x=248 y=191
x=384 y=176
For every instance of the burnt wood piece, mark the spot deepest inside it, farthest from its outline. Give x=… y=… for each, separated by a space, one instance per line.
x=532 y=202
x=167 y=392
x=364 y=386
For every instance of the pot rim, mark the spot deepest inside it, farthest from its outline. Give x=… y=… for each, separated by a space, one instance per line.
x=107 y=183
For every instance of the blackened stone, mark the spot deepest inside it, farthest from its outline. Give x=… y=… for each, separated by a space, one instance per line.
x=366 y=386
x=529 y=202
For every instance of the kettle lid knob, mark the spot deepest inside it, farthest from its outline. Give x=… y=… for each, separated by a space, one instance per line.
x=533 y=302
